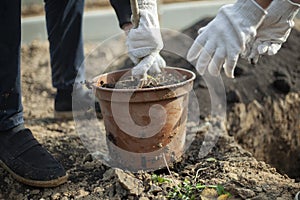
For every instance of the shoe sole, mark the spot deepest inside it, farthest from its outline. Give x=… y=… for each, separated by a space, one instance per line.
x=35 y=183
x=63 y=115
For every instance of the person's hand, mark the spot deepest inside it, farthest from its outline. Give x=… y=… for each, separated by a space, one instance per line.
x=224 y=38
x=274 y=30
x=145 y=41
x=152 y=63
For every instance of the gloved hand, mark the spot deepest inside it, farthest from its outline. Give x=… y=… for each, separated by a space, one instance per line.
x=145 y=42
x=274 y=30
x=225 y=37
x=152 y=63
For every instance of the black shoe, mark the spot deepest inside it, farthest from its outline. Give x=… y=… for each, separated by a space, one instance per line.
x=28 y=162
x=64 y=107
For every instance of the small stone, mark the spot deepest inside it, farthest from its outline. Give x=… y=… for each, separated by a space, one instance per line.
x=130 y=183
x=108 y=174
x=55 y=196
x=260 y=197
x=233 y=176
x=143 y=198
x=131 y=198
x=88 y=158
x=89 y=165
x=209 y=193
x=98 y=189
x=155 y=188
x=223 y=197
x=44 y=93
x=81 y=193
x=35 y=191
x=47 y=193
x=245 y=193
x=258 y=189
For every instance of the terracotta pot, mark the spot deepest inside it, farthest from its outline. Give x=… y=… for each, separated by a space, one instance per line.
x=143 y=125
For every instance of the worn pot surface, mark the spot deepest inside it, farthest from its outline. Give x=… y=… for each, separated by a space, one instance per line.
x=142 y=124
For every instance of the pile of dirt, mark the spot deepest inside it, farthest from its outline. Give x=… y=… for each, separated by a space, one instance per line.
x=262 y=117
x=270 y=130
x=263 y=104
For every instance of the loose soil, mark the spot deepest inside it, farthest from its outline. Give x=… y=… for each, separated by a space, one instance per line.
x=256 y=155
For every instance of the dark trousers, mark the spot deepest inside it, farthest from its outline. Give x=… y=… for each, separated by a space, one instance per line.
x=64 y=22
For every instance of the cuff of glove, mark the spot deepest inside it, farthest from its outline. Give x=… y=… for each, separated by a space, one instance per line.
x=147 y=4
x=284 y=8
x=252 y=13
x=149 y=19
x=293 y=3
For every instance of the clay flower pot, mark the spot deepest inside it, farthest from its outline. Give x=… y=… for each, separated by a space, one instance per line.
x=144 y=127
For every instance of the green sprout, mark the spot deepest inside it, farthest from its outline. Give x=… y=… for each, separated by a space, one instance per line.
x=188 y=191
x=159 y=179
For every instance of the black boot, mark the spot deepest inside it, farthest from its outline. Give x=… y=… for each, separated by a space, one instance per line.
x=65 y=106
x=27 y=161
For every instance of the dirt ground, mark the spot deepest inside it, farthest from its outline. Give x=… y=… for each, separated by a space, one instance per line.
x=257 y=155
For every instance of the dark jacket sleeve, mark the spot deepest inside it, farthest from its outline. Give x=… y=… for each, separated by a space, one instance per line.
x=123 y=11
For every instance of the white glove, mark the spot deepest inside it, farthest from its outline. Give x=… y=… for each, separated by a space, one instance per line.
x=145 y=42
x=152 y=63
x=225 y=37
x=274 y=30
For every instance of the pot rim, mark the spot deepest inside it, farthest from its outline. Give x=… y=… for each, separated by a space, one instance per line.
x=193 y=76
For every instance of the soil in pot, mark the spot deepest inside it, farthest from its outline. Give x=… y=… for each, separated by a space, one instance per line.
x=155 y=80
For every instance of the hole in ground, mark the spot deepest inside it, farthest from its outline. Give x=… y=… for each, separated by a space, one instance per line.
x=270 y=131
